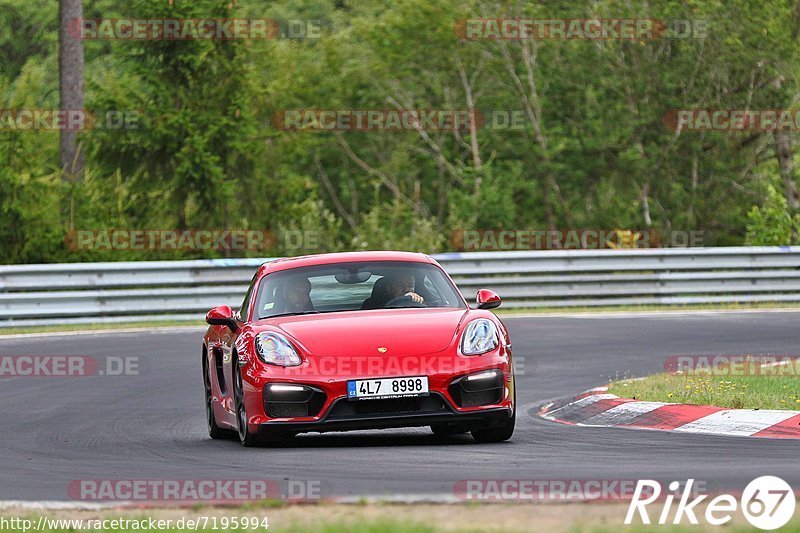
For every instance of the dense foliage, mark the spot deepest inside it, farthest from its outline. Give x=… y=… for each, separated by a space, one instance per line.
x=594 y=150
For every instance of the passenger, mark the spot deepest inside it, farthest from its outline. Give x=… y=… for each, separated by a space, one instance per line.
x=379 y=295
x=296 y=294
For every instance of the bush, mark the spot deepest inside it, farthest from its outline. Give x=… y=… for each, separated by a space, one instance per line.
x=772 y=224
x=394 y=226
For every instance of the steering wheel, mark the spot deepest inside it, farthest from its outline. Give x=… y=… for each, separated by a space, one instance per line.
x=407 y=302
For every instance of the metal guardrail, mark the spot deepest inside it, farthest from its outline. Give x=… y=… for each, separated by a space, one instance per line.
x=185 y=290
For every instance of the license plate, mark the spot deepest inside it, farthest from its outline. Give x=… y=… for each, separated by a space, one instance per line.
x=363 y=389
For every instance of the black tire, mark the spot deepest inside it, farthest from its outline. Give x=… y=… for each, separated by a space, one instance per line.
x=250 y=440
x=245 y=437
x=214 y=431
x=448 y=430
x=498 y=432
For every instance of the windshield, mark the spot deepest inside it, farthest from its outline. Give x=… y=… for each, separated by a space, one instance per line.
x=355 y=286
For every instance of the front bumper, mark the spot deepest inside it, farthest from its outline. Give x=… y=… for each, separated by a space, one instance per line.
x=332 y=420
x=325 y=406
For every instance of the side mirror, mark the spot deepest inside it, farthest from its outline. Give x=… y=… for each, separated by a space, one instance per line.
x=488 y=299
x=222 y=316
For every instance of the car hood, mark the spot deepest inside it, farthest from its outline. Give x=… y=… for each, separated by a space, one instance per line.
x=401 y=331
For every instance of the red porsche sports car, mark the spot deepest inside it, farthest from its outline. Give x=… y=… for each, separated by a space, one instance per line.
x=362 y=340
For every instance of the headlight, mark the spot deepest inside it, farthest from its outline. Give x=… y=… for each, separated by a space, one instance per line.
x=480 y=337
x=274 y=349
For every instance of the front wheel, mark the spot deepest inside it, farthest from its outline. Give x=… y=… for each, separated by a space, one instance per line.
x=245 y=437
x=499 y=433
x=248 y=439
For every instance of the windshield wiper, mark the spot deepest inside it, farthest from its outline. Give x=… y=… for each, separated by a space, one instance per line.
x=290 y=314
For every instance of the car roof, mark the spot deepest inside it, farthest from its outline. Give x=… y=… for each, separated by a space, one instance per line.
x=342 y=257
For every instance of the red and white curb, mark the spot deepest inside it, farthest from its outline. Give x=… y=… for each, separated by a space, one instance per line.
x=597 y=408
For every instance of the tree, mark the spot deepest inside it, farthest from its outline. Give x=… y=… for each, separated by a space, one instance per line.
x=70 y=61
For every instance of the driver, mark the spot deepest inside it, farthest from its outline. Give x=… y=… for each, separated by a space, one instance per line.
x=402 y=285
x=297 y=295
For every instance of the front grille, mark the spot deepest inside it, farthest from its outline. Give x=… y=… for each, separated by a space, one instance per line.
x=432 y=404
x=308 y=402
x=286 y=410
x=487 y=397
x=485 y=391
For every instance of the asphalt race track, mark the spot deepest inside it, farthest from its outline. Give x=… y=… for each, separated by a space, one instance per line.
x=152 y=426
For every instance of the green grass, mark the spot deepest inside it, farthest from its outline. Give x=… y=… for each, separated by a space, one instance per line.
x=704 y=388
x=379 y=526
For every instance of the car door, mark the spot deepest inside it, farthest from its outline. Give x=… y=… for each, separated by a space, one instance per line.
x=227 y=341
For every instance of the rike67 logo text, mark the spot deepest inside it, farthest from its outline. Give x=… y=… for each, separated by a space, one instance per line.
x=768 y=502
